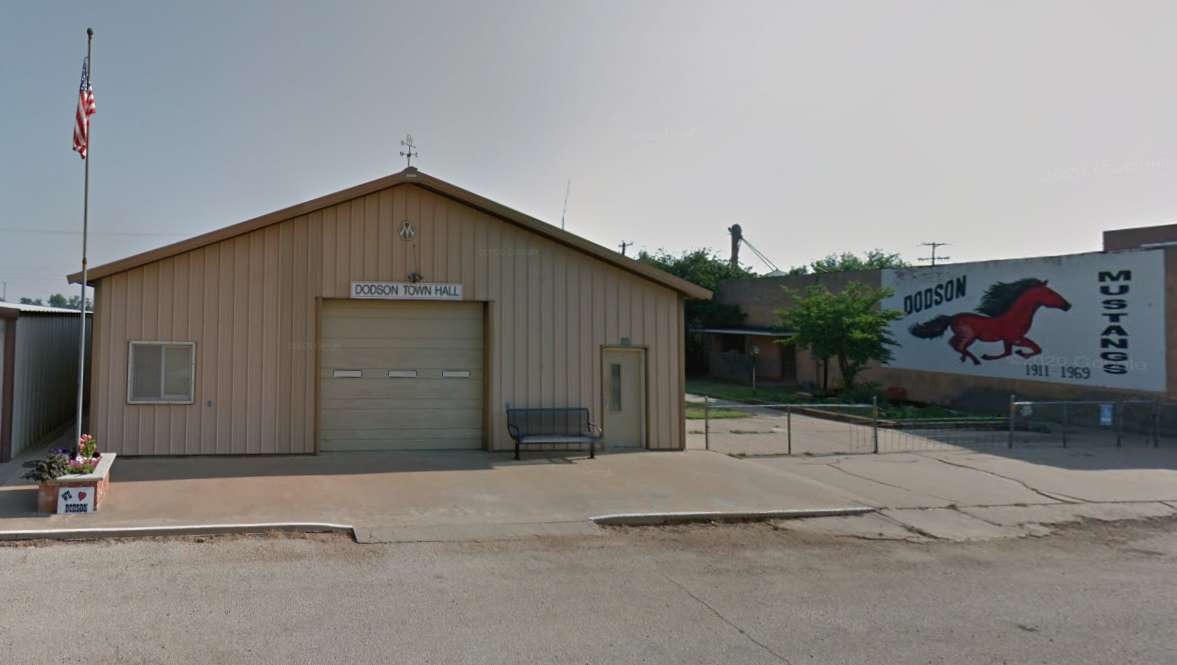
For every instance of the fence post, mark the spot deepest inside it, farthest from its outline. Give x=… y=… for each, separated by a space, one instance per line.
x=1066 y=423
x=706 y=423
x=1010 y=443
x=874 y=402
x=789 y=427
x=1156 y=424
x=1119 y=423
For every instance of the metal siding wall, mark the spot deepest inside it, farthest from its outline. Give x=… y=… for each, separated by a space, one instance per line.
x=249 y=303
x=95 y=374
x=4 y=323
x=45 y=382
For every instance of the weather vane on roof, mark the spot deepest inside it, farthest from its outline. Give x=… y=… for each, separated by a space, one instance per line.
x=410 y=150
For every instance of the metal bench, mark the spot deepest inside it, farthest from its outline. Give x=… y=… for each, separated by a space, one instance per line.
x=552 y=426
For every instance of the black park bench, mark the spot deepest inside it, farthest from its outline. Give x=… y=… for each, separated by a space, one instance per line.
x=552 y=426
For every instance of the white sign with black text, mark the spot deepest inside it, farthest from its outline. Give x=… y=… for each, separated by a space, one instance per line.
x=73 y=500
x=406 y=290
x=1093 y=319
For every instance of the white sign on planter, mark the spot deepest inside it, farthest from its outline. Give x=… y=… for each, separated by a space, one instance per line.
x=75 y=500
x=1093 y=319
x=406 y=290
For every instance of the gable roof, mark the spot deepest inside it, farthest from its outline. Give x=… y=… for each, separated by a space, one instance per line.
x=409 y=176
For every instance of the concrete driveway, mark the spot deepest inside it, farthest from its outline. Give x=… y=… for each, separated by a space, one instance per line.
x=964 y=495
x=425 y=489
x=953 y=494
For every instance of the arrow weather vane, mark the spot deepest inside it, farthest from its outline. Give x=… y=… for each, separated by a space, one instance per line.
x=410 y=150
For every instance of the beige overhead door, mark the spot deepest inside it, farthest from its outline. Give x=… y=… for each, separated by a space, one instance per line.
x=400 y=375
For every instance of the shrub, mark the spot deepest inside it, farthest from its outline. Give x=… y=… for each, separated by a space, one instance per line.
x=862 y=393
x=53 y=466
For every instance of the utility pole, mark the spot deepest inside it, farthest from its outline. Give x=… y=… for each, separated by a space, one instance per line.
x=933 y=258
x=737 y=236
x=5 y=296
x=623 y=245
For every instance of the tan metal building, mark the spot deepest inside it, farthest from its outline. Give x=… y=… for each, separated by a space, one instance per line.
x=403 y=313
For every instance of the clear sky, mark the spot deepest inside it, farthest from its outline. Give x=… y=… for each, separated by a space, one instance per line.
x=1007 y=129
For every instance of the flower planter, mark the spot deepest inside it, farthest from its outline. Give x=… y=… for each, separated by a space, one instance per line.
x=83 y=487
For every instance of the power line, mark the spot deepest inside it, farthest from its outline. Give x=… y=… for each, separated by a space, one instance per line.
x=93 y=233
x=759 y=254
x=739 y=238
x=933 y=258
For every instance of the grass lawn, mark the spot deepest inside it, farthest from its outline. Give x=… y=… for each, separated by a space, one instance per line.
x=695 y=412
x=736 y=392
x=740 y=393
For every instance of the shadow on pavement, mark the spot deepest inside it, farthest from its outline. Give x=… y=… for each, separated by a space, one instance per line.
x=132 y=469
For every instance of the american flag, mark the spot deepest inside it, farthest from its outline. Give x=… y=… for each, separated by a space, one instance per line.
x=85 y=110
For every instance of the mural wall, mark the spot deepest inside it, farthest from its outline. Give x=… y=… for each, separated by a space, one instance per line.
x=1090 y=319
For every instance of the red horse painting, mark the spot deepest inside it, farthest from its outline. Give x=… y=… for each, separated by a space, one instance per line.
x=1005 y=315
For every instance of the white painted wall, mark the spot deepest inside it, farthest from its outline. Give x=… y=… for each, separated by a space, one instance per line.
x=1111 y=299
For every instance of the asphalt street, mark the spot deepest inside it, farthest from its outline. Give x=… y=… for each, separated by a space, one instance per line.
x=753 y=593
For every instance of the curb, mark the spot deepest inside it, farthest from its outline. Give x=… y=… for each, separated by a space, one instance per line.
x=451 y=533
x=649 y=519
x=184 y=530
x=617 y=519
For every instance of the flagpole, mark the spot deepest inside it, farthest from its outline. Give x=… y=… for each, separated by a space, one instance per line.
x=85 y=231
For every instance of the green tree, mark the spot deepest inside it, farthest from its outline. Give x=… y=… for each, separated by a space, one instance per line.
x=30 y=301
x=872 y=260
x=70 y=302
x=699 y=266
x=707 y=269
x=849 y=326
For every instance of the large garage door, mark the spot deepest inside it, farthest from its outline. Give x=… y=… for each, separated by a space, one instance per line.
x=400 y=375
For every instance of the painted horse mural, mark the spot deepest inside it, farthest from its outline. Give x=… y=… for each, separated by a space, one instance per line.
x=1005 y=315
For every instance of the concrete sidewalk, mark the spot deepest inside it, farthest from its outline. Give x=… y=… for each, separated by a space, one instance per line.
x=965 y=495
x=426 y=492
x=393 y=497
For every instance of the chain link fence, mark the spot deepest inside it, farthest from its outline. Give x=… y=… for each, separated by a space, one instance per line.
x=1091 y=424
x=835 y=428
x=788 y=429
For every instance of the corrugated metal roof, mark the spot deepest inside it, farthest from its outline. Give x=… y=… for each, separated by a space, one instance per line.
x=38 y=309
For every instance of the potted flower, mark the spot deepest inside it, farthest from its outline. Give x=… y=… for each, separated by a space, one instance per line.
x=72 y=481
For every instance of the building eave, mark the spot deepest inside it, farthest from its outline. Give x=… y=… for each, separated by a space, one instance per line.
x=408 y=176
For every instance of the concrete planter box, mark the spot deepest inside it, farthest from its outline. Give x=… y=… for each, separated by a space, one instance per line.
x=97 y=482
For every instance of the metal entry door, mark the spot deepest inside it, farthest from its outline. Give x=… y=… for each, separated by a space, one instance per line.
x=624 y=382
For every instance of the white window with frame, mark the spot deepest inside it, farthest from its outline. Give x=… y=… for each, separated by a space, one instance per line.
x=161 y=373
